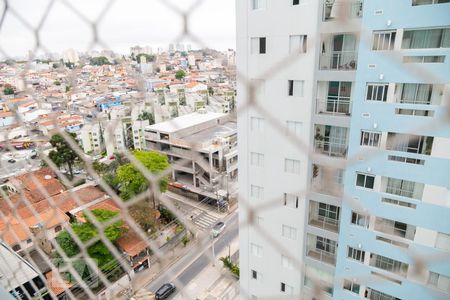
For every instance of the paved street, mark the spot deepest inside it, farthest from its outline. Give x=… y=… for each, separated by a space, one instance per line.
x=204 y=216
x=23 y=163
x=192 y=264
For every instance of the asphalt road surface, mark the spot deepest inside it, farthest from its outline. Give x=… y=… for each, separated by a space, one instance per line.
x=23 y=163
x=188 y=267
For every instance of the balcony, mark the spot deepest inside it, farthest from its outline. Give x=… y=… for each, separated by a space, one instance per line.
x=331 y=140
x=334 y=98
x=388 y=264
x=327 y=180
x=321 y=249
x=324 y=216
x=334 y=106
x=339 y=60
x=403 y=188
x=409 y=143
x=395 y=228
x=342 y=10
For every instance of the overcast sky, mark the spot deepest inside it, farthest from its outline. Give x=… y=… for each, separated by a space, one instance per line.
x=125 y=24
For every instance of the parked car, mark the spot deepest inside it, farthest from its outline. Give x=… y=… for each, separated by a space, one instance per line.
x=217 y=229
x=165 y=291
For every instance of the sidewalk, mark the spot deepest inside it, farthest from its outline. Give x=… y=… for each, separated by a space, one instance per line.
x=143 y=278
x=214 y=282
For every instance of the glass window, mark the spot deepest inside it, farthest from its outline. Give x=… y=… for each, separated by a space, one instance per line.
x=258 y=4
x=295 y=88
x=351 y=286
x=377 y=92
x=294 y=128
x=371 y=139
x=426 y=38
x=257 y=159
x=297 y=43
x=292 y=166
x=256 y=250
x=365 y=181
x=383 y=40
x=291 y=200
x=360 y=220
x=256 y=124
x=289 y=232
x=356 y=254
x=256 y=192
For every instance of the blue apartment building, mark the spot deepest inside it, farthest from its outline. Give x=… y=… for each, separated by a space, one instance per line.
x=394 y=239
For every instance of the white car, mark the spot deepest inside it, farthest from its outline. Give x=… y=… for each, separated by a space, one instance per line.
x=218 y=228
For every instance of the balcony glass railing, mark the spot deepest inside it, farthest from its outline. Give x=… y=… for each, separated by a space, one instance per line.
x=325 y=223
x=400 y=191
x=330 y=148
x=334 y=106
x=335 y=9
x=339 y=60
x=321 y=255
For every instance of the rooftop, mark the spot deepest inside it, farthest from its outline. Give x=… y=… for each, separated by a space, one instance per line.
x=211 y=133
x=185 y=121
x=11 y=261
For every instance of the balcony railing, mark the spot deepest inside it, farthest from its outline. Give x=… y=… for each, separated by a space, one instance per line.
x=399 y=191
x=322 y=186
x=321 y=255
x=325 y=223
x=330 y=148
x=339 y=60
x=334 y=106
x=343 y=10
x=388 y=264
x=389 y=228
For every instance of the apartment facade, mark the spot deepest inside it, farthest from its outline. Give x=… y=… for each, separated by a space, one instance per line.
x=334 y=119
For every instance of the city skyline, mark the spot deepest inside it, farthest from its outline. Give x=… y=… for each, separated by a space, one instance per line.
x=123 y=26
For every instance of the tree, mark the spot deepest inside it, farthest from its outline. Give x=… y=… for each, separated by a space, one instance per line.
x=145 y=115
x=148 y=58
x=99 y=61
x=100 y=168
x=131 y=180
x=145 y=216
x=68 y=245
x=8 y=91
x=210 y=91
x=57 y=82
x=180 y=74
x=87 y=231
x=63 y=154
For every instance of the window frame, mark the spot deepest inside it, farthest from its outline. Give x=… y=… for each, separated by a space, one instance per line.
x=364 y=186
x=374 y=89
x=381 y=38
x=356 y=254
x=302 y=42
x=292 y=166
x=370 y=138
x=357 y=217
x=286 y=200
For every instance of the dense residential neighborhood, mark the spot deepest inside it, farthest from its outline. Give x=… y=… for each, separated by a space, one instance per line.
x=108 y=104
x=224 y=150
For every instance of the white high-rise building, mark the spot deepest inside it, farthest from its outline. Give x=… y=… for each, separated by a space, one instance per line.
x=271 y=167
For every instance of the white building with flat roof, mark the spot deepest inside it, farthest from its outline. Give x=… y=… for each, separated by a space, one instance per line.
x=201 y=147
